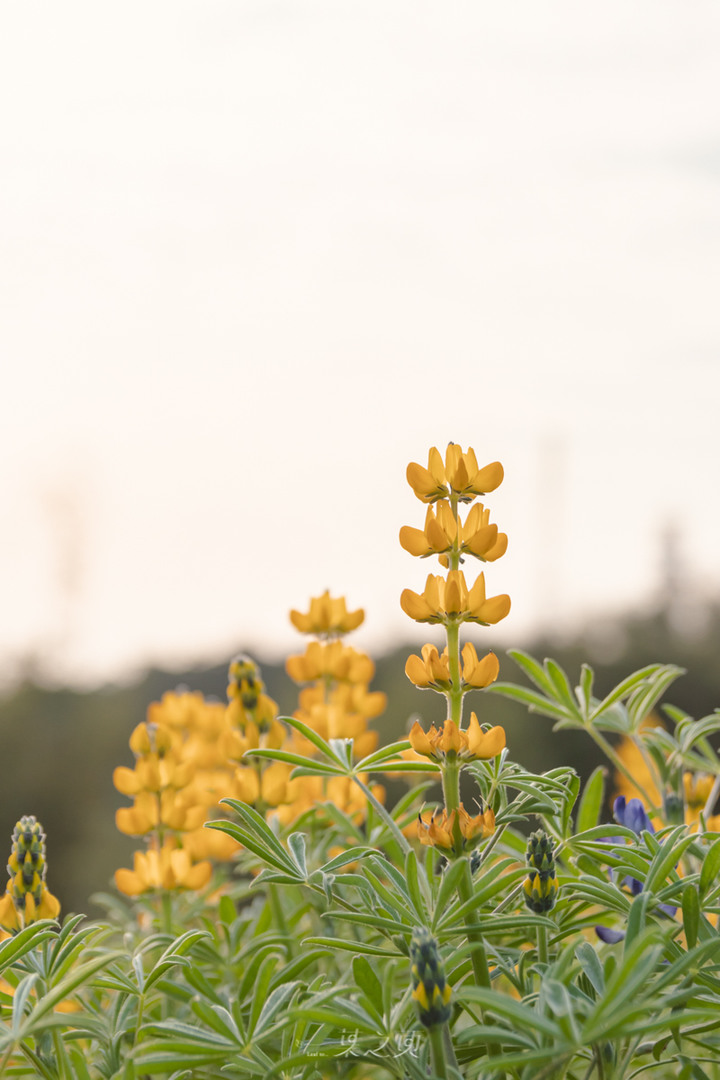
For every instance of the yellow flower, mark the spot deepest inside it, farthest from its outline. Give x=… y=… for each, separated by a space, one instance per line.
x=327 y=616
x=437 y=829
x=169 y=868
x=471 y=745
x=432 y=671
x=477 y=674
x=458 y=474
x=451 y=600
x=697 y=792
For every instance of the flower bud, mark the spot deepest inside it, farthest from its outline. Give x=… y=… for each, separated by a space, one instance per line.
x=430 y=991
x=541 y=884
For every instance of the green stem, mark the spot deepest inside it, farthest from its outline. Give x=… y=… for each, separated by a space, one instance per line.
x=542 y=944
x=451 y=785
x=454 y=694
x=474 y=933
x=437 y=1050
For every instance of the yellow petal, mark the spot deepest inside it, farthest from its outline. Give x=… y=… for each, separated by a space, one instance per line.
x=414 y=541
x=420 y=742
x=488 y=479
x=415 y=606
x=416 y=672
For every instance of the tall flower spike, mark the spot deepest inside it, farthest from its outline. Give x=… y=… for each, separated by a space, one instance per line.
x=431 y=992
x=27 y=897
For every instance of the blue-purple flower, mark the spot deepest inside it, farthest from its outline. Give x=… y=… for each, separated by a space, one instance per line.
x=632 y=815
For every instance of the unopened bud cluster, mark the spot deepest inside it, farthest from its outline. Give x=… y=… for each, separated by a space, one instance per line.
x=431 y=992
x=27 y=897
x=541 y=883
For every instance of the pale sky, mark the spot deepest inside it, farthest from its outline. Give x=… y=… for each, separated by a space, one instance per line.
x=257 y=256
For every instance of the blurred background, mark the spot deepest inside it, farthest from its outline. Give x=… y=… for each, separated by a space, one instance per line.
x=257 y=256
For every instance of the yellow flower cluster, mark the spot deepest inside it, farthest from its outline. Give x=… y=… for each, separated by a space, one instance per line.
x=27 y=897
x=337 y=703
x=450 y=742
x=432 y=671
x=181 y=771
x=440 y=829
x=458 y=477
x=445 y=600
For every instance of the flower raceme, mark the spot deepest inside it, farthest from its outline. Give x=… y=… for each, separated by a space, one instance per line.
x=451 y=601
x=450 y=742
x=432 y=670
x=27 y=897
x=457 y=476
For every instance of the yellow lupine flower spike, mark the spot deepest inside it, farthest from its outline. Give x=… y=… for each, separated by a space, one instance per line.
x=27 y=897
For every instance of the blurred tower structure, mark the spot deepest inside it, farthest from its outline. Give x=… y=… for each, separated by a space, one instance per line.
x=550 y=532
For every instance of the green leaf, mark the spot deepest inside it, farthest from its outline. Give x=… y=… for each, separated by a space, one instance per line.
x=591 y=802
x=305 y=766
x=351 y=946
x=20 y=1000
x=368 y=982
x=313 y=737
x=623 y=689
x=296 y=843
x=520 y=1016
x=584 y=691
x=691 y=914
x=15 y=947
x=273 y=1004
x=590 y=963
x=381 y=756
x=637 y=918
x=533 y=669
x=561 y=686
x=710 y=868
x=672 y=850
x=417 y=885
x=535 y=702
